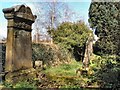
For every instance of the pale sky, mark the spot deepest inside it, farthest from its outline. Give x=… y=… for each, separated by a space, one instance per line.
x=79 y=6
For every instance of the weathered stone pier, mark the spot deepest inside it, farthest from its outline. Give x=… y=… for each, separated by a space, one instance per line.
x=19 y=42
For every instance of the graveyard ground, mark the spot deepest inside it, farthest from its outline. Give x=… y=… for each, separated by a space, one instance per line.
x=65 y=76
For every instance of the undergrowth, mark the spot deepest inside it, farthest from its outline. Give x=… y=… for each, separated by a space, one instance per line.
x=21 y=85
x=64 y=76
x=103 y=72
x=64 y=69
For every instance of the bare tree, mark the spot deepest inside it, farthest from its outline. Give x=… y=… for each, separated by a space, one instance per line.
x=54 y=13
x=51 y=14
x=67 y=14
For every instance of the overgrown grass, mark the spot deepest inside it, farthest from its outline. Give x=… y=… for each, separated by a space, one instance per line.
x=105 y=73
x=64 y=69
x=64 y=76
x=103 y=68
x=22 y=85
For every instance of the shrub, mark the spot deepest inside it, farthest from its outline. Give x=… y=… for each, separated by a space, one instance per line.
x=72 y=37
x=107 y=71
x=50 y=54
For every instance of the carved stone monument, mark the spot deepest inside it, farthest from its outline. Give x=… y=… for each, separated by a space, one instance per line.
x=19 y=42
x=88 y=51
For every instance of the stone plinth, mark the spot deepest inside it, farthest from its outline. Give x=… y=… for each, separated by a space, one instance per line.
x=19 y=42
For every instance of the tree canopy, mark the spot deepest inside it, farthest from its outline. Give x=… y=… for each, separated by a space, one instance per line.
x=104 y=19
x=72 y=36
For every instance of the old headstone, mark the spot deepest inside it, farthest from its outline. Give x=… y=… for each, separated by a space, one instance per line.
x=88 y=51
x=19 y=42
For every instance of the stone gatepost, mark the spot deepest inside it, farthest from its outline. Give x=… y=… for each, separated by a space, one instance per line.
x=19 y=42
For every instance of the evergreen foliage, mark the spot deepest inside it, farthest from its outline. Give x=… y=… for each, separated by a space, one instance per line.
x=71 y=36
x=104 y=18
x=106 y=71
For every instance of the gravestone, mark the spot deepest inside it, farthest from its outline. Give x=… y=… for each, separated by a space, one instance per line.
x=88 y=51
x=19 y=42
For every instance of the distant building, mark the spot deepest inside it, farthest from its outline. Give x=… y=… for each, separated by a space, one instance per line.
x=38 y=38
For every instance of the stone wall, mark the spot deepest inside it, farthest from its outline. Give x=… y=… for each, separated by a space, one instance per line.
x=2 y=59
x=1 y=68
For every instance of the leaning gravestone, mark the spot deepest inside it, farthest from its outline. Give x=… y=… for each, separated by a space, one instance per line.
x=88 y=51
x=19 y=42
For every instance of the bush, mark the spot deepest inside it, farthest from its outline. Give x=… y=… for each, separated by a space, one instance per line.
x=51 y=55
x=72 y=37
x=106 y=71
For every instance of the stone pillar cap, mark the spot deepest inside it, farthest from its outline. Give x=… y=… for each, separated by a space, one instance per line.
x=20 y=11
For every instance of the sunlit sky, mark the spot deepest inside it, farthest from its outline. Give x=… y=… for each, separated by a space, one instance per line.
x=79 y=6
